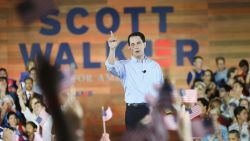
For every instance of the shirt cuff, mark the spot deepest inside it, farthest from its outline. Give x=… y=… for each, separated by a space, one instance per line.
x=108 y=65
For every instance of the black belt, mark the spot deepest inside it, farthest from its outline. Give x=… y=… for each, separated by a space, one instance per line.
x=136 y=104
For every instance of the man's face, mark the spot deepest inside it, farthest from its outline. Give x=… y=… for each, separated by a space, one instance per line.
x=203 y=108
x=244 y=69
x=244 y=103
x=38 y=108
x=243 y=115
x=12 y=121
x=33 y=102
x=207 y=76
x=233 y=74
x=28 y=84
x=3 y=84
x=198 y=63
x=237 y=88
x=137 y=46
x=233 y=137
x=3 y=73
x=221 y=65
x=30 y=130
x=33 y=75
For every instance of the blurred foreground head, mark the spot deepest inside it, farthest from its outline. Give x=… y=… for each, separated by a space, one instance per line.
x=68 y=123
x=31 y=10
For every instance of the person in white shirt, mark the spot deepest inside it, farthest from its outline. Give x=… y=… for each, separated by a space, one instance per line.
x=31 y=131
x=139 y=75
x=241 y=124
x=44 y=120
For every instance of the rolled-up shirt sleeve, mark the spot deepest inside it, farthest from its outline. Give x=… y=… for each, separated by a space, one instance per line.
x=117 y=69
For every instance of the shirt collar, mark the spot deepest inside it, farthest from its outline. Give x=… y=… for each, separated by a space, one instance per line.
x=145 y=59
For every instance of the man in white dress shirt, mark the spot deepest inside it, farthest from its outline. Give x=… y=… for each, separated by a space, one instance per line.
x=139 y=75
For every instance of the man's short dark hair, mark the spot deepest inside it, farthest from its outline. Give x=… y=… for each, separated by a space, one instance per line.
x=242 y=85
x=32 y=124
x=32 y=69
x=141 y=35
x=238 y=110
x=231 y=70
x=40 y=102
x=197 y=57
x=243 y=62
x=28 y=78
x=220 y=58
x=4 y=79
x=3 y=69
x=237 y=133
x=10 y=114
x=226 y=87
x=204 y=102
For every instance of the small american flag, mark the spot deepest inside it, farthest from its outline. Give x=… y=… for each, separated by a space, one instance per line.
x=195 y=111
x=43 y=116
x=107 y=115
x=188 y=96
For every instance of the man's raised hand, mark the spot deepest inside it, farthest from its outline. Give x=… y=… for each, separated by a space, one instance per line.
x=113 y=42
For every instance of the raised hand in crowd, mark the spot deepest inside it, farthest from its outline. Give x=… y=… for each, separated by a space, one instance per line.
x=21 y=97
x=8 y=135
x=105 y=137
x=184 y=125
x=112 y=42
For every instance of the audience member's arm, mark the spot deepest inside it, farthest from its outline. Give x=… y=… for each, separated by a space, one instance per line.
x=73 y=104
x=184 y=124
x=20 y=97
x=3 y=111
x=248 y=78
x=191 y=78
x=105 y=137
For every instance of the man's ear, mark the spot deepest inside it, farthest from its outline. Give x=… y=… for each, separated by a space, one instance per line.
x=238 y=116
x=129 y=47
x=145 y=44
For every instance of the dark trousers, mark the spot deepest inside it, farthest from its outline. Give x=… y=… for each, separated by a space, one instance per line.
x=134 y=114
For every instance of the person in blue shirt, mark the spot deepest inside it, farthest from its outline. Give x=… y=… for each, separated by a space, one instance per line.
x=220 y=133
x=139 y=76
x=220 y=76
x=196 y=73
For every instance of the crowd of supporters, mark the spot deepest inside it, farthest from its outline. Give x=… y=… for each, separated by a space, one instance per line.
x=23 y=109
x=223 y=96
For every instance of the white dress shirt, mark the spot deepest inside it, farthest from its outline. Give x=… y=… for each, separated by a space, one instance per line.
x=244 y=135
x=138 y=78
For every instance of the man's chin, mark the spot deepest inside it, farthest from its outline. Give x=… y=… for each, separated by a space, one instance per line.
x=137 y=55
